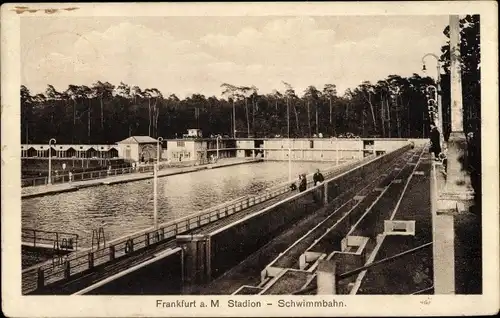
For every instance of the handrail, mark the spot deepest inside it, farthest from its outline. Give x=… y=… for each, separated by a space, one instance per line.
x=44 y=231
x=61 y=240
x=95 y=175
x=80 y=176
x=167 y=230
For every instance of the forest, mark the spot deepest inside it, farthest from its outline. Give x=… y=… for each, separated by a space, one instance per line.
x=392 y=107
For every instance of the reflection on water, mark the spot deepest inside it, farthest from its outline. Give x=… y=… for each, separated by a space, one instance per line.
x=126 y=208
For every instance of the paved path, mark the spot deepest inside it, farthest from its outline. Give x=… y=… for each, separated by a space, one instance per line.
x=36 y=191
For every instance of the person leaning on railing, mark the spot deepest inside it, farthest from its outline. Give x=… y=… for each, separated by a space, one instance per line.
x=303 y=183
x=318 y=177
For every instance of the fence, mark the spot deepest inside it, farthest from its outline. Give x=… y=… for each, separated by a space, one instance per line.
x=77 y=263
x=58 y=240
x=82 y=176
x=99 y=174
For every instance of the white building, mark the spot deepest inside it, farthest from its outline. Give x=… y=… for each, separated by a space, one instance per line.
x=138 y=148
x=200 y=149
x=194 y=133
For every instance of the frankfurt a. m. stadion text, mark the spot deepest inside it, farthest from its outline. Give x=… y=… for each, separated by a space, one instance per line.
x=233 y=303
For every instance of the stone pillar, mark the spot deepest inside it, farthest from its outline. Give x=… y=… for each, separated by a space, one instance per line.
x=326 y=278
x=196 y=268
x=458 y=185
x=456 y=195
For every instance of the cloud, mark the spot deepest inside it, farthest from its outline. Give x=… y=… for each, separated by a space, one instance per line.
x=298 y=50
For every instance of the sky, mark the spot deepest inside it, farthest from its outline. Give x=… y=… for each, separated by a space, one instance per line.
x=186 y=55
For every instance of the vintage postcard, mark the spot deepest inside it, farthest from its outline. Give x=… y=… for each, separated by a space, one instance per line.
x=250 y=159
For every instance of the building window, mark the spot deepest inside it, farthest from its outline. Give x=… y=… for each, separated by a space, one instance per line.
x=180 y=144
x=311 y=144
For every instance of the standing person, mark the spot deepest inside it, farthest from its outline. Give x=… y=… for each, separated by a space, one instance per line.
x=318 y=177
x=435 y=142
x=293 y=186
x=303 y=183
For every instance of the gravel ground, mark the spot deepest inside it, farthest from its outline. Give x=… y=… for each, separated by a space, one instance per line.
x=409 y=273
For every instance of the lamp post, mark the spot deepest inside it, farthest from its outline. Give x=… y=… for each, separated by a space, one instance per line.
x=234 y=120
x=289 y=160
x=217 y=139
x=155 y=183
x=50 y=160
x=289 y=142
x=431 y=108
x=155 y=195
x=158 y=143
x=437 y=94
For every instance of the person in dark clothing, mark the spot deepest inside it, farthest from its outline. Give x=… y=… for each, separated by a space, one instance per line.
x=318 y=178
x=293 y=187
x=435 y=142
x=303 y=183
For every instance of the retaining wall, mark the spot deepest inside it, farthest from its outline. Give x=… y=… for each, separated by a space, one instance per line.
x=213 y=254
x=161 y=275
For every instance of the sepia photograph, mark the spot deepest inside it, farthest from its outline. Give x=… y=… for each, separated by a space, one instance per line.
x=247 y=155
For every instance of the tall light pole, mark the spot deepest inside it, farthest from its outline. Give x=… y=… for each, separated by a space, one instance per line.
x=438 y=94
x=431 y=108
x=289 y=141
x=234 y=120
x=155 y=183
x=50 y=159
x=217 y=140
x=158 y=144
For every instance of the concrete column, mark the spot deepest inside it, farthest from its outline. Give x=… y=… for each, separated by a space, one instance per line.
x=196 y=258
x=326 y=278
x=458 y=180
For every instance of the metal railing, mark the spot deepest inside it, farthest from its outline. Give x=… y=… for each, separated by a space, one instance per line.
x=78 y=262
x=84 y=176
x=58 y=240
x=100 y=174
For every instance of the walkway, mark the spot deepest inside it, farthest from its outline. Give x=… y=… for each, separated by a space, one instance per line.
x=29 y=192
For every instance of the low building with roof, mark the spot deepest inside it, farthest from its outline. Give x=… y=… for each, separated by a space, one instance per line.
x=69 y=151
x=138 y=148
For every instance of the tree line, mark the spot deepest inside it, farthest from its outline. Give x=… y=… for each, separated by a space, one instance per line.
x=395 y=106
